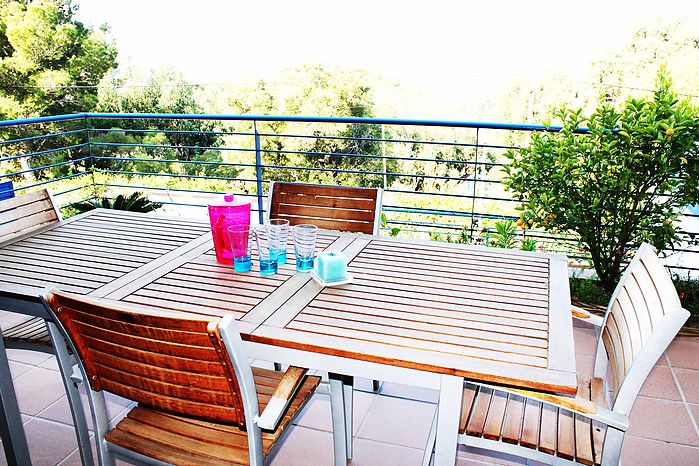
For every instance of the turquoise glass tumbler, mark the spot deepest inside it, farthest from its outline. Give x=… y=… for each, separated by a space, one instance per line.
x=278 y=231
x=241 y=239
x=265 y=252
x=304 y=246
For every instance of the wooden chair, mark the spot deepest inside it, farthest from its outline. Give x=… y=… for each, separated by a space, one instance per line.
x=20 y=215
x=199 y=400
x=332 y=207
x=357 y=210
x=643 y=317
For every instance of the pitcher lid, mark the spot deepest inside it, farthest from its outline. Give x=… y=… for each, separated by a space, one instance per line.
x=229 y=200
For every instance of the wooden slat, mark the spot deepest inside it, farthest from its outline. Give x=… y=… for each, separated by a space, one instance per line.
x=326 y=213
x=325 y=190
x=549 y=427
x=35 y=208
x=479 y=413
x=430 y=332
x=566 y=434
x=25 y=199
x=512 y=428
x=583 y=428
x=531 y=424
x=407 y=340
x=323 y=201
x=467 y=400
x=33 y=221
x=496 y=415
x=341 y=225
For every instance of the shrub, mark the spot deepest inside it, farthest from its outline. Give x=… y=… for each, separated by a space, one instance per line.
x=621 y=181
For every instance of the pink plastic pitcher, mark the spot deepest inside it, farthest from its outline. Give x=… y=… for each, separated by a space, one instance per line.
x=224 y=212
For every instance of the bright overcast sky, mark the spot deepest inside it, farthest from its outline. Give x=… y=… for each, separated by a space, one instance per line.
x=431 y=44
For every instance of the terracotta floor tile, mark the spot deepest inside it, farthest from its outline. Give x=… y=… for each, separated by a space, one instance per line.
x=60 y=411
x=50 y=363
x=689 y=381
x=49 y=442
x=398 y=421
x=660 y=384
x=695 y=411
x=305 y=447
x=645 y=452
x=27 y=357
x=584 y=365
x=585 y=341
x=316 y=414
x=17 y=369
x=38 y=389
x=684 y=353
x=664 y=420
x=74 y=458
x=371 y=453
x=477 y=456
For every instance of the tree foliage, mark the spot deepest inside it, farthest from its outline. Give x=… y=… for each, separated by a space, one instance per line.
x=621 y=182
x=48 y=60
x=351 y=156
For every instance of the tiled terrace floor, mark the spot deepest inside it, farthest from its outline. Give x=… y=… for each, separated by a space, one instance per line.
x=391 y=427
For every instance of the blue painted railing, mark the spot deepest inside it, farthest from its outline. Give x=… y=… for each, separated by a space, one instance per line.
x=83 y=156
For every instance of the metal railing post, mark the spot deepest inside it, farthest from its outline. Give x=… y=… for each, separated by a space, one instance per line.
x=475 y=184
x=91 y=157
x=258 y=175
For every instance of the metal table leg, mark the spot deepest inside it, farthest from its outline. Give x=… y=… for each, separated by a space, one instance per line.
x=448 y=414
x=13 y=440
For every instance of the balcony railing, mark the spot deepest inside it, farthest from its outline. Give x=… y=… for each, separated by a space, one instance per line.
x=441 y=178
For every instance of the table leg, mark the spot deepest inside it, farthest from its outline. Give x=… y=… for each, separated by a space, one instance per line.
x=337 y=405
x=13 y=440
x=348 y=391
x=448 y=414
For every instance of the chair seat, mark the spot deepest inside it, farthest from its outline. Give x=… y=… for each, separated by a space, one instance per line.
x=32 y=331
x=508 y=417
x=184 y=440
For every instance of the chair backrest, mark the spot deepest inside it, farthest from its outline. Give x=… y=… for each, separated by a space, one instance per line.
x=180 y=365
x=642 y=318
x=6 y=190
x=25 y=213
x=341 y=208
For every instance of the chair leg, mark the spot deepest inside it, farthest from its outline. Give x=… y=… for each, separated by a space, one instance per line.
x=337 y=406
x=348 y=389
x=611 y=451
x=429 y=446
x=277 y=366
x=376 y=385
x=76 y=407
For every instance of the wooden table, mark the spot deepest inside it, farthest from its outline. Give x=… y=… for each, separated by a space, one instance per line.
x=418 y=313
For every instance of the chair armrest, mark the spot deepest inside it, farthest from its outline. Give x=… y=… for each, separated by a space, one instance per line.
x=583 y=315
x=288 y=386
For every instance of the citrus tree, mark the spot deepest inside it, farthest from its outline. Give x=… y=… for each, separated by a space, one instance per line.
x=622 y=180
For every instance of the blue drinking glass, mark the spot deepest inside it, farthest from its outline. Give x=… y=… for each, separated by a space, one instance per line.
x=278 y=232
x=266 y=254
x=304 y=246
x=240 y=236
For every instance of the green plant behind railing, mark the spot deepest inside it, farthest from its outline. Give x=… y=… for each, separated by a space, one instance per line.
x=135 y=202
x=622 y=182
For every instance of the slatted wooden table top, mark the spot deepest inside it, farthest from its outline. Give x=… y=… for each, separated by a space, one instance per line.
x=482 y=313
x=196 y=283
x=94 y=253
